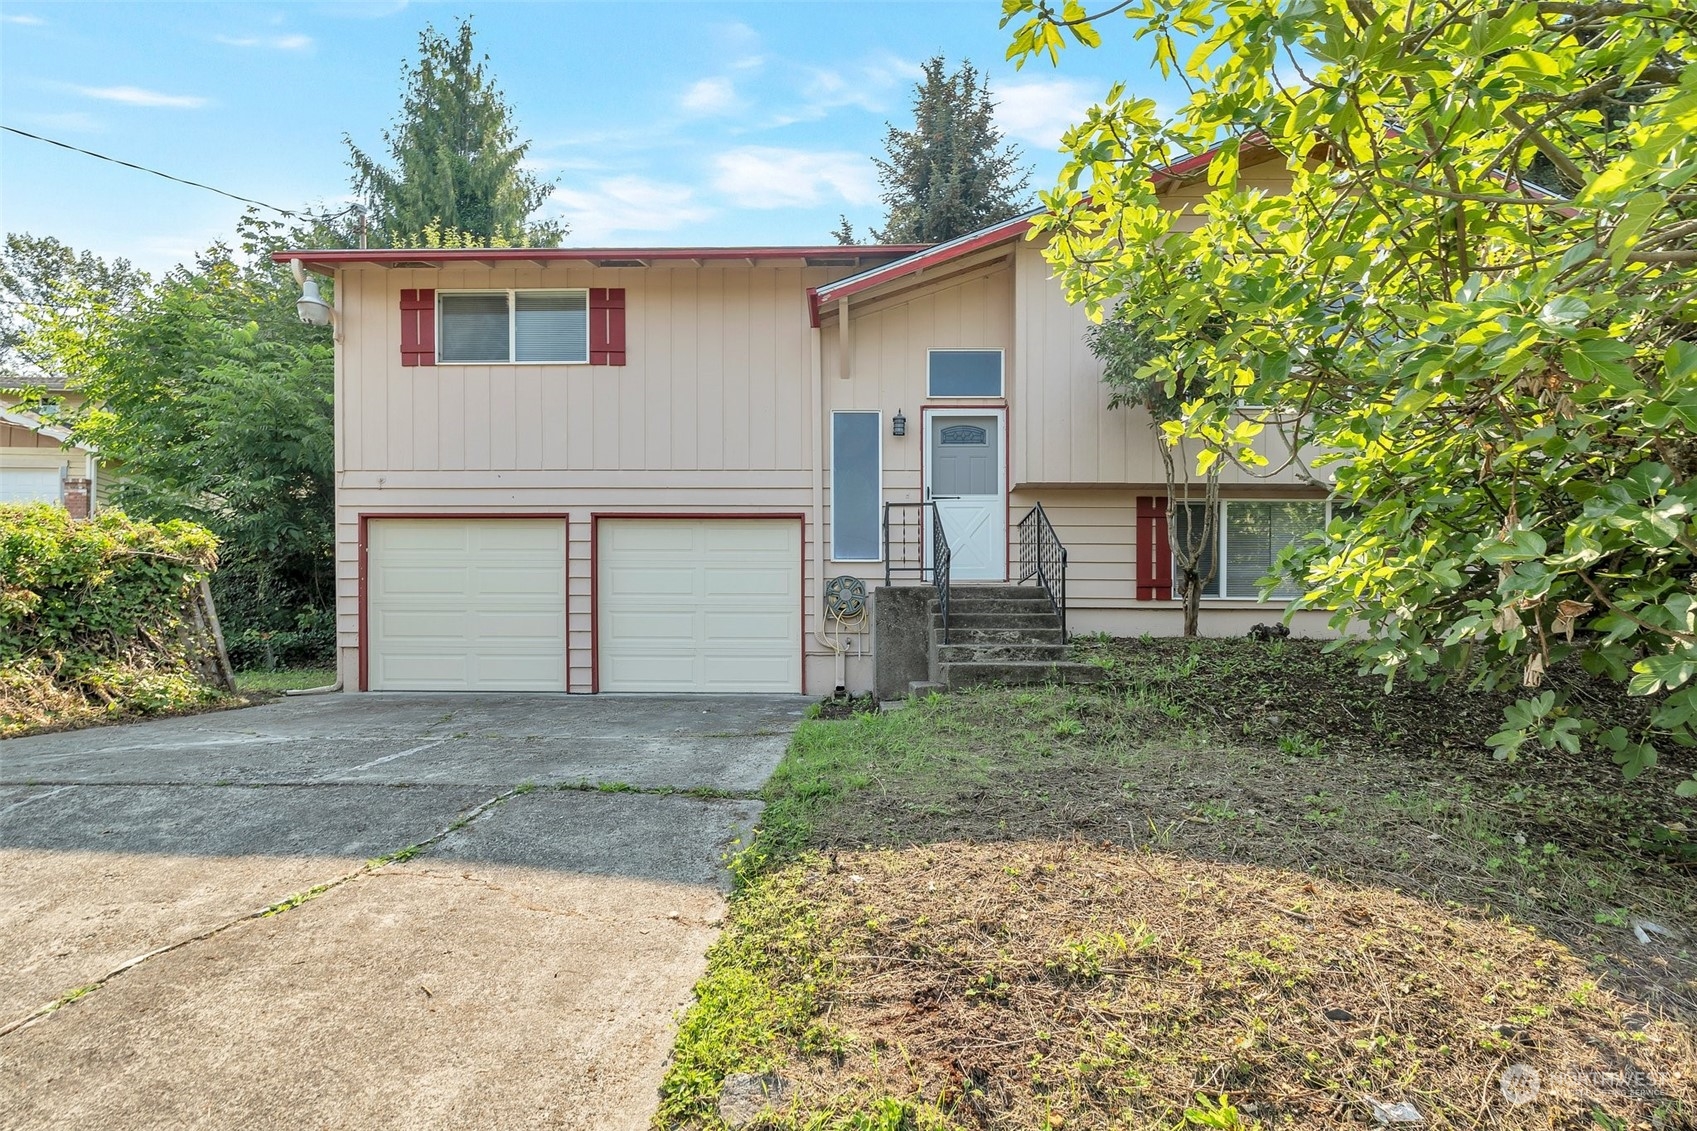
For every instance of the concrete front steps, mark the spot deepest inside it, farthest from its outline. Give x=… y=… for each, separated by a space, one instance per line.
x=1000 y=634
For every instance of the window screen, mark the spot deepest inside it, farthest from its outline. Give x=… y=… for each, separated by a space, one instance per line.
x=1256 y=533
x=965 y=373
x=474 y=328
x=856 y=487
x=552 y=326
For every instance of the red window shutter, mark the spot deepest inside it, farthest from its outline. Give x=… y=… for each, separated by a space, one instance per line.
x=418 y=327
x=607 y=326
x=1154 y=550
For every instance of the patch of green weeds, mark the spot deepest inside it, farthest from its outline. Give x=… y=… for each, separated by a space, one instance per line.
x=73 y=995
x=295 y=900
x=759 y=997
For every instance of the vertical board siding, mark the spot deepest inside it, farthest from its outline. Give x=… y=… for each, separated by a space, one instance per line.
x=715 y=388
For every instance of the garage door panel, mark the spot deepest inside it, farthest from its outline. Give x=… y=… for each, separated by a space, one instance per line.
x=467 y=604
x=639 y=627
x=421 y=581
x=742 y=538
x=404 y=671
x=645 y=582
x=699 y=605
x=675 y=537
x=727 y=581
x=520 y=583
x=421 y=626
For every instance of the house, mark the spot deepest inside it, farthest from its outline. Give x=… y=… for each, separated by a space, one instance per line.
x=40 y=464
x=618 y=470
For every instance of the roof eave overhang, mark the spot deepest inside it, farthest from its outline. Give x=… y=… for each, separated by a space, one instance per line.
x=326 y=261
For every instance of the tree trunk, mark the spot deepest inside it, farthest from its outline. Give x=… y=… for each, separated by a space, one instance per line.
x=1192 y=605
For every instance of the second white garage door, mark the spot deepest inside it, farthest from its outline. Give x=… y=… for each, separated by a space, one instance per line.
x=699 y=604
x=460 y=604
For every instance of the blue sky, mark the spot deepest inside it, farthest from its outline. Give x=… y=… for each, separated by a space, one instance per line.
x=665 y=123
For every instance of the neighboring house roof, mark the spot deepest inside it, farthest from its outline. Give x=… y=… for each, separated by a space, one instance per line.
x=52 y=382
x=34 y=423
x=325 y=261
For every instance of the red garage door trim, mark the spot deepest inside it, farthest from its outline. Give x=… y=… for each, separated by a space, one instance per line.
x=682 y=516
x=364 y=555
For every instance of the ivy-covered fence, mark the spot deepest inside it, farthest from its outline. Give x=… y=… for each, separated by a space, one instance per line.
x=103 y=617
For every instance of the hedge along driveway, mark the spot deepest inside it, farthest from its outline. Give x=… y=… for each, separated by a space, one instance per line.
x=521 y=970
x=101 y=617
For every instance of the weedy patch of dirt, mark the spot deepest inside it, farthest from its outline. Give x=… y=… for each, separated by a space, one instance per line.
x=1131 y=905
x=1042 y=984
x=843 y=707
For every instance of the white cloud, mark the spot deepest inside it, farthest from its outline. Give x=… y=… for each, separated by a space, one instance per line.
x=294 y=42
x=710 y=96
x=1041 y=110
x=758 y=176
x=617 y=206
x=868 y=85
x=136 y=96
x=23 y=20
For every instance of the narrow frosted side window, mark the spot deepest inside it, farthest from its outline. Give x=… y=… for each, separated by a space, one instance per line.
x=856 y=486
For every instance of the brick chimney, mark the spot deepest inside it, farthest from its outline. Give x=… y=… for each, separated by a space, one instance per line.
x=77 y=501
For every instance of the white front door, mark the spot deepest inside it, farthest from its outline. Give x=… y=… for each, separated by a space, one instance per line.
x=963 y=477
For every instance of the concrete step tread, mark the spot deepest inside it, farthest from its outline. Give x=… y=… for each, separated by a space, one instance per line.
x=977 y=673
x=997 y=620
x=960 y=635
x=957 y=652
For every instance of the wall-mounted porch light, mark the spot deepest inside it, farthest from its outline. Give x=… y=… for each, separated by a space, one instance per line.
x=898 y=424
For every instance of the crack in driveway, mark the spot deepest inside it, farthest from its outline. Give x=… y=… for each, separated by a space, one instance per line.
x=299 y=899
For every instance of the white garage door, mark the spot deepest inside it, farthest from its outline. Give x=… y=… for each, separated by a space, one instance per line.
x=29 y=485
x=466 y=604
x=699 y=604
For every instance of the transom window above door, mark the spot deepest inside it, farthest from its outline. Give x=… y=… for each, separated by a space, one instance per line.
x=494 y=327
x=964 y=373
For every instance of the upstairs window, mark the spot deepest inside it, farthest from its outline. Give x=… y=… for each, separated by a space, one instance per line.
x=495 y=327
x=964 y=373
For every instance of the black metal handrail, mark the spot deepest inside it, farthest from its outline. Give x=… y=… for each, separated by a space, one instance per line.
x=1042 y=556
x=904 y=541
x=940 y=557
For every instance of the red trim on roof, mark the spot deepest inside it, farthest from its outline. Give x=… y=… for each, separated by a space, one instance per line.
x=325 y=260
x=942 y=253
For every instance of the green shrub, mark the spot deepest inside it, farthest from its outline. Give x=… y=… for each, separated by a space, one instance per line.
x=95 y=616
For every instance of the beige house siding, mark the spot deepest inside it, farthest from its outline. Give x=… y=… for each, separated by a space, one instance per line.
x=711 y=415
x=724 y=409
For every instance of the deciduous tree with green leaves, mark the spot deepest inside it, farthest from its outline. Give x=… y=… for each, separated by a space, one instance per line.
x=214 y=404
x=456 y=161
x=951 y=173
x=1478 y=291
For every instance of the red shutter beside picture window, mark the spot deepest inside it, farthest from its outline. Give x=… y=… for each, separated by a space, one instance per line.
x=1154 y=550
x=607 y=326
x=418 y=327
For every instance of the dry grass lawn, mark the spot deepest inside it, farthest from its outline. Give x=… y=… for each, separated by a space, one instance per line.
x=1233 y=887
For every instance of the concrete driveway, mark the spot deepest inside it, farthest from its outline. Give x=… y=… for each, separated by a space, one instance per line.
x=517 y=961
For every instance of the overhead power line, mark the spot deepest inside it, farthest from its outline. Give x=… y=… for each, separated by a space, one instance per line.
x=291 y=213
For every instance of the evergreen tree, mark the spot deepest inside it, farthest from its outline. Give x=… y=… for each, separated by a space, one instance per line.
x=950 y=174
x=455 y=156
